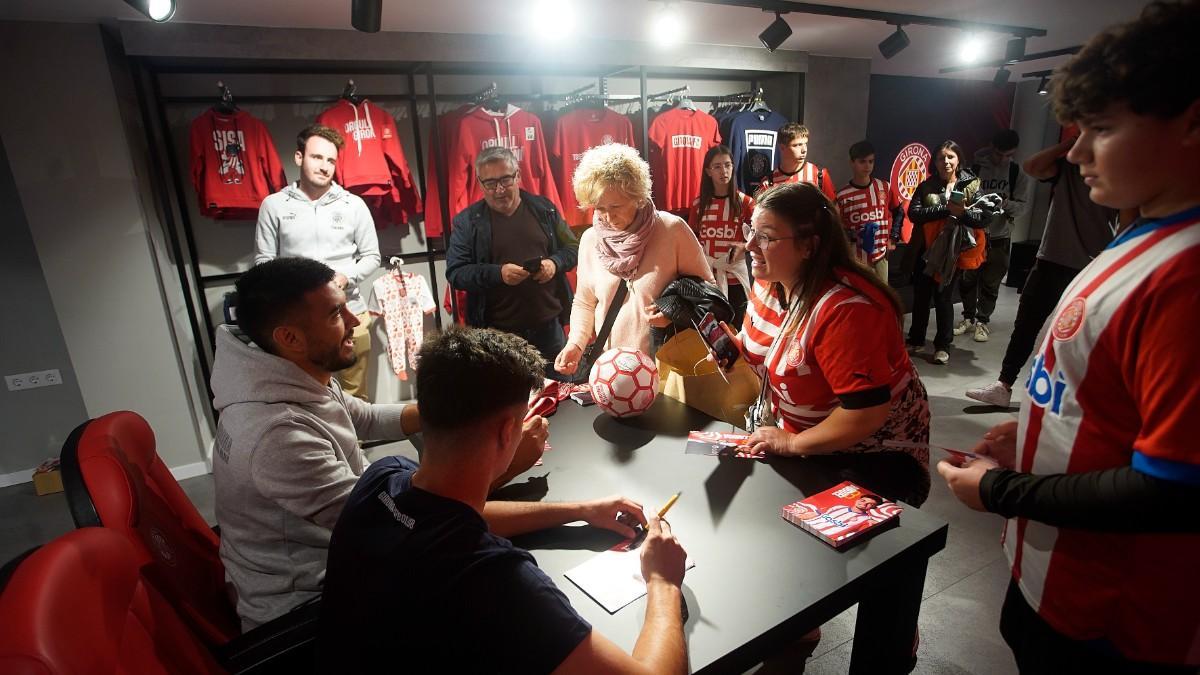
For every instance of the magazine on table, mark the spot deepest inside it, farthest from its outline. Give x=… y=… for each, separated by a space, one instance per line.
x=718 y=444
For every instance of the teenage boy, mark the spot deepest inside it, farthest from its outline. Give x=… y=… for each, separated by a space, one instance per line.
x=794 y=166
x=870 y=209
x=1100 y=474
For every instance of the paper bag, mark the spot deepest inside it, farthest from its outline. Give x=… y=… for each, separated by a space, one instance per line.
x=687 y=376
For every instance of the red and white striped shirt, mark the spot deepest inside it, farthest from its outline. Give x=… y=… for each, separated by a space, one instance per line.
x=717 y=229
x=849 y=342
x=1113 y=385
x=872 y=203
x=809 y=173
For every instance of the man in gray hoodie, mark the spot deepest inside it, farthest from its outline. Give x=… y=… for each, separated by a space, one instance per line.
x=287 y=449
x=980 y=288
x=316 y=218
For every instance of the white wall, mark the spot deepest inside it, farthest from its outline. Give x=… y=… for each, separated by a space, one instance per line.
x=73 y=169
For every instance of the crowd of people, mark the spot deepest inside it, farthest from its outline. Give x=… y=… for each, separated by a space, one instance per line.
x=1095 y=477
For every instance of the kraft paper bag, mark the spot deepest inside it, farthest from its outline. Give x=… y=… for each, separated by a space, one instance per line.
x=687 y=376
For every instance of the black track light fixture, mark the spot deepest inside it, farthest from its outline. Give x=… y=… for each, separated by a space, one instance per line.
x=1014 y=50
x=1001 y=77
x=155 y=10
x=366 y=15
x=1044 y=86
x=776 y=33
x=894 y=43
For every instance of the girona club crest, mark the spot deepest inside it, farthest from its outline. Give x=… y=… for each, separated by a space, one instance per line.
x=1067 y=323
x=908 y=170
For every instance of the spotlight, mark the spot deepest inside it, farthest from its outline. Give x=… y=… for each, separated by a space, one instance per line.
x=1044 y=86
x=366 y=15
x=775 y=34
x=155 y=10
x=970 y=49
x=1001 y=77
x=894 y=43
x=561 y=14
x=667 y=27
x=1014 y=50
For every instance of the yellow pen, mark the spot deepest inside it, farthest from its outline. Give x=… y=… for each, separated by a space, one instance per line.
x=670 y=502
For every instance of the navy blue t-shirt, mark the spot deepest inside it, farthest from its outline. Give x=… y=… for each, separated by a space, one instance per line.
x=416 y=581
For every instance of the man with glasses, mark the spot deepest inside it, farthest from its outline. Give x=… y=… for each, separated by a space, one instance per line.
x=998 y=174
x=510 y=253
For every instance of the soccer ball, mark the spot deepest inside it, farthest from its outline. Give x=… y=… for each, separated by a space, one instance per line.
x=624 y=382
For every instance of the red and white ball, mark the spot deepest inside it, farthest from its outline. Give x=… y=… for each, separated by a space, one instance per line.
x=624 y=382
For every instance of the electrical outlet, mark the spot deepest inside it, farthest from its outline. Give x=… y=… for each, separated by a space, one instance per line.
x=34 y=380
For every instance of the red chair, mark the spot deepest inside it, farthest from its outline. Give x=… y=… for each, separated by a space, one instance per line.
x=113 y=477
x=80 y=605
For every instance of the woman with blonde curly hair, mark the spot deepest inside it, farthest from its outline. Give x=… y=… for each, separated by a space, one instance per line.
x=630 y=242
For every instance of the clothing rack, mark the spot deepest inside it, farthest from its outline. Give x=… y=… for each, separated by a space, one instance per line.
x=669 y=93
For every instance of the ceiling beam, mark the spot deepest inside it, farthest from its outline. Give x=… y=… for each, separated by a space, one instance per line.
x=895 y=18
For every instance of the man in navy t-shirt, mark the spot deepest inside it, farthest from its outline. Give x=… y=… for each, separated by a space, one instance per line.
x=417 y=578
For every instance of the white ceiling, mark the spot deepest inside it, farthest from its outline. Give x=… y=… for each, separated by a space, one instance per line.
x=1067 y=22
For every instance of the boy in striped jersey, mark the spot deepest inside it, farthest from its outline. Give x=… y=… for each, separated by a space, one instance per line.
x=1100 y=474
x=794 y=166
x=869 y=208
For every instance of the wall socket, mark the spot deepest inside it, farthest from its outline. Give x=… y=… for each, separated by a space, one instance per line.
x=39 y=378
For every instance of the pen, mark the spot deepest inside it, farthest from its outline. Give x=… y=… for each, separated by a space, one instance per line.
x=670 y=502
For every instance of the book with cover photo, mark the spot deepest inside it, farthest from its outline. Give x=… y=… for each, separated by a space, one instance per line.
x=842 y=514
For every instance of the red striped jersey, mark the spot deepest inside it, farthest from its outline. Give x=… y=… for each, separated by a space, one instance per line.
x=809 y=173
x=1113 y=384
x=871 y=203
x=849 y=342
x=717 y=228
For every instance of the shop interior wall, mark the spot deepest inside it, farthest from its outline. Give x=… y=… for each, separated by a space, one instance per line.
x=1034 y=121
x=36 y=421
x=836 y=91
x=225 y=247
x=72 y=166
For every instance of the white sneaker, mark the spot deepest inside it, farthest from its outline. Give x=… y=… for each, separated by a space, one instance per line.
x=996 y=394
x=941 y=357
x=981 y=332
x=963 y=326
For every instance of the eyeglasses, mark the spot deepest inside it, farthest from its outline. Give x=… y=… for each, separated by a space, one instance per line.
x=501 y=183
x=763 y=240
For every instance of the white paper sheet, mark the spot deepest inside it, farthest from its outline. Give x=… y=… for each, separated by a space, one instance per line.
x=613 y=578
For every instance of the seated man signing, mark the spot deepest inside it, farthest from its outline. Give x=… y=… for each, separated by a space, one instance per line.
x=420 y=573
x=287 y=448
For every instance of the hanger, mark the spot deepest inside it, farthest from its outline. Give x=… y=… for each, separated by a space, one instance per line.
x=350 y=93
x=225 y=104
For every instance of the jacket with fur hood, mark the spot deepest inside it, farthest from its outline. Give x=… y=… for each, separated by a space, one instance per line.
x=286 y=459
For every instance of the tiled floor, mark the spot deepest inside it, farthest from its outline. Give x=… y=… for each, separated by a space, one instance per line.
x=965 y=583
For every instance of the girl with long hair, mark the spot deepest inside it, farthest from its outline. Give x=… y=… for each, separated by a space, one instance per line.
x=716 y=217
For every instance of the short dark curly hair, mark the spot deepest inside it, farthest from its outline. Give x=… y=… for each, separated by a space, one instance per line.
x=1142 y=63
x=466 y=374
x=268 y=293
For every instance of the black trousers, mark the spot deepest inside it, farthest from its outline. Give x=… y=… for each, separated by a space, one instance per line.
x=1044 y=287
x=924 y=290
x=1038 y=648
x=980 y=288
x=547 y=338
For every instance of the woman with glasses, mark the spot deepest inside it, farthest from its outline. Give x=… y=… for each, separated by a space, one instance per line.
x=716 y=217
x=630 y=243
x=824 y=333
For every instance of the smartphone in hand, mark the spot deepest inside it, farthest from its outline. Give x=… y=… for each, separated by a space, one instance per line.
x=533 y=265
x=718 y=342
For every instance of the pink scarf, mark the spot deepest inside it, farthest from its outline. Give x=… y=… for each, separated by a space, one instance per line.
x=621 y=251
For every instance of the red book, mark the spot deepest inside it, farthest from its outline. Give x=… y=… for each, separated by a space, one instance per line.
x=842 y=514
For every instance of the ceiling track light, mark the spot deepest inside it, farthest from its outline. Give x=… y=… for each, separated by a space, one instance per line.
x=366 y=15
x=1014 y=50
x=1044 y=86
x=894 y=43
x=776 y=33
x=155 y=10
x=1001 y=77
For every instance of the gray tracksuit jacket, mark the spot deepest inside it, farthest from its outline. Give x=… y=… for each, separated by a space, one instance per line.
x=994 y=177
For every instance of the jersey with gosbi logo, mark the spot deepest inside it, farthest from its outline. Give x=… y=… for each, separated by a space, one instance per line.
x=862 y=206
x=1113 y=385
x=717 y=228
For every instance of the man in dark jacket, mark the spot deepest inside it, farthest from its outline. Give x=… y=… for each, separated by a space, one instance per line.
x=510 y=252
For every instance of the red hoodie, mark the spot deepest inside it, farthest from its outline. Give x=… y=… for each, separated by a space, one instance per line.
x=516 y=129
x=447 y=132
x=234 y=164
x=372 y=164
